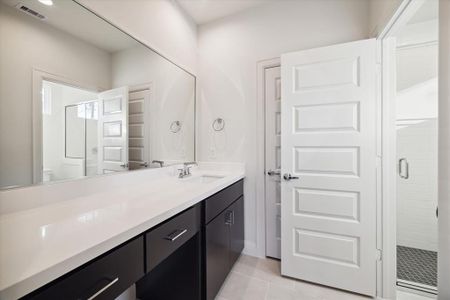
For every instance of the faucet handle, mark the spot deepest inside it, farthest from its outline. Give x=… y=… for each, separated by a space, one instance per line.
x=188 y=170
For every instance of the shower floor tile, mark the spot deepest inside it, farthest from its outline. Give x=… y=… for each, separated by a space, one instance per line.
x=417 y=265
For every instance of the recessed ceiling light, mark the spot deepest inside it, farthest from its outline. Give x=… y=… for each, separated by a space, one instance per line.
x=46 y=2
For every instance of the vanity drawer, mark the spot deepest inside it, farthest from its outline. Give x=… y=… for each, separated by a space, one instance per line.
x=169 y=236
x=104 y=278
x=215 y=204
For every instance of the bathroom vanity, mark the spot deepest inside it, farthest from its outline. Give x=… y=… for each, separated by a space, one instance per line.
x=173 y=243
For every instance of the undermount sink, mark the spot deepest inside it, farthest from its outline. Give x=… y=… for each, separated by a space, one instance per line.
x=204 y=178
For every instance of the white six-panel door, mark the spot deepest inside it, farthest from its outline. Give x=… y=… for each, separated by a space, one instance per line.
x=329 y=142
x=113 y=131
x=139 y=128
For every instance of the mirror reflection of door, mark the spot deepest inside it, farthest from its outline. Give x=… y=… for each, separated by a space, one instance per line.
x=138 y=122
x=78 y=65
x=113 y=131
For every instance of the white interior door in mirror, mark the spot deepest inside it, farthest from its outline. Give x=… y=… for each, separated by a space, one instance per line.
x=139 y=128
x=273 y=161
x=113 y=131
x=328 y=141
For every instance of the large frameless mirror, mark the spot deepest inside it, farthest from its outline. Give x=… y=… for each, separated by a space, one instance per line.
x=81 y=98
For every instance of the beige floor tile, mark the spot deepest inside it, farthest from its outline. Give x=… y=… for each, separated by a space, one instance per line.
x=332 y=294
x=277 y=292
x=260 y=279
x=264 y=269
x=309 y=290
x=239 y=286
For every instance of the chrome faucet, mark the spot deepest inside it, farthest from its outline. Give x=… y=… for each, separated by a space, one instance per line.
x=160 y=162
x=186 y=170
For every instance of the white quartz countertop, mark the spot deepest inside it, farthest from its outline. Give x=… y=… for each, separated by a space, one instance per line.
x=40 y=244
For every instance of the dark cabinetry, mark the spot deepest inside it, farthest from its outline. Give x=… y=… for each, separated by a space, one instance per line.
x=186 y=257
x=104 y=278
x=173 y=259
x=224 y=236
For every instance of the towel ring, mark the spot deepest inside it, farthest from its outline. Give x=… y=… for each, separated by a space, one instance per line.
x=175 y=126
x=218 y=124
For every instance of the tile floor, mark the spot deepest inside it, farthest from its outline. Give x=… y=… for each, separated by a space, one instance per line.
x=259 y=279
x=417 y=265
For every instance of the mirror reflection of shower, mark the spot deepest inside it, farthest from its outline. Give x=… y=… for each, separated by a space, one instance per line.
x=69 y=128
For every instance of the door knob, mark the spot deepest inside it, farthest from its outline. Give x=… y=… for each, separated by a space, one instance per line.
x=274 y=172
x=288 y=177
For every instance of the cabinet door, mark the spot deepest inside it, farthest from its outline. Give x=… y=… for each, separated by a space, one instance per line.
x=217 y=254
x=236 y=230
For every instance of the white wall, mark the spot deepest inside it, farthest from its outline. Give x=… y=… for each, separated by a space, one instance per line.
x=161 y=24
x=444 y=150
x=34 y=45
x=417 y=88
x=172 y=99
x=229 y=50
x=381 y=12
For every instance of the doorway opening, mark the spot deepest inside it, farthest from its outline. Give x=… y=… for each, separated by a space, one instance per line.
x=410 y=83
x=69 y=131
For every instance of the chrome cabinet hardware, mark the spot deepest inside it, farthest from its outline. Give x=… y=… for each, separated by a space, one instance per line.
x=405 y=174
x=103 y=289
x=288 y=177
x=124 y=165
x=274 y=172
x=229 y=217
x=176 y=234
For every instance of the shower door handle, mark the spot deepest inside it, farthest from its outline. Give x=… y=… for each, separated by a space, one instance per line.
x=401 y=162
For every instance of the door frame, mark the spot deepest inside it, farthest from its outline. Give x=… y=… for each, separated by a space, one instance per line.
x=386 y=151
x=260 y=248
x=387 y=87
x=38 y=76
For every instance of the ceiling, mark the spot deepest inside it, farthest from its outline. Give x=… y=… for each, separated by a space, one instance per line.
x=70 y=17
x=204 y=11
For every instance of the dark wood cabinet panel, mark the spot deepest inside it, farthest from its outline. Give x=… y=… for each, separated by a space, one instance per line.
x=163 y=240
x=221 y=200
x=177 y=277
x=224 y=236
x=107 y=277
x=217 y=236
x=236 y=230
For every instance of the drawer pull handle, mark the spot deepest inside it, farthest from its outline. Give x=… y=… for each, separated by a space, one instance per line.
x=176 y=234
x=229 y=217
x=104 y=288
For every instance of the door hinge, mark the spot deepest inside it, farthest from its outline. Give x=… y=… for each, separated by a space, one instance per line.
x=379 y=255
